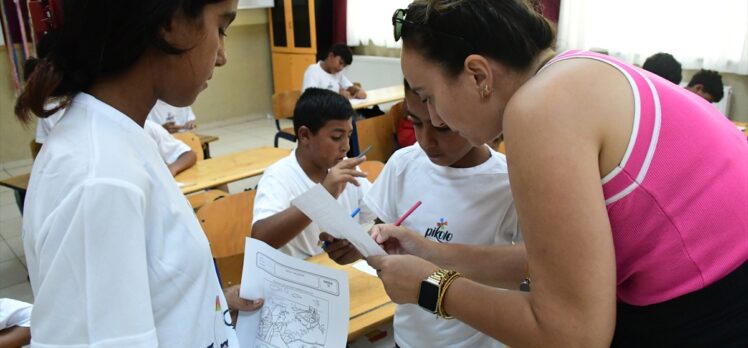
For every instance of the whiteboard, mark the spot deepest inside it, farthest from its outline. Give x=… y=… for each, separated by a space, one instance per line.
x=255 y=3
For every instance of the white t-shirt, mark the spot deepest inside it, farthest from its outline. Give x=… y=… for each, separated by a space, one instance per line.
x=165 y=113
x=315 y=76
x=45 y=125
x=460 y=205
x=284 y=181
x=169 y=147
x=115 y=254
x=14 y=313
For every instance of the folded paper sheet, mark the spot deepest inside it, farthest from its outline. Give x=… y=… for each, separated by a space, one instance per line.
x=325 y=211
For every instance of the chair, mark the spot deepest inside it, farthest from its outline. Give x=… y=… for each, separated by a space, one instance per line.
x=193 y=141
x=283 y=105
x=35 y=148
x=227 y=222
x=372 y=169
x=199 y=199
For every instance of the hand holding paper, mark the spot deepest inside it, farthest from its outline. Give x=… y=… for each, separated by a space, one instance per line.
x=325 y=211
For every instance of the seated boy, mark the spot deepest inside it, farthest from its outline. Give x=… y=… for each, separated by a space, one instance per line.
x=665 y=66
x=322 y=121
x=172 y=118
x=458 y=184
x=15 y=319
x=327 y=73
x=708 y=85
x=176 y=154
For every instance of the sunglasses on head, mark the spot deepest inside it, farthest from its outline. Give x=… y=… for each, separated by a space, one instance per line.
x=398 y=21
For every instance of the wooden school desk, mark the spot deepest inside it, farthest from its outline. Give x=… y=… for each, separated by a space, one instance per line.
x=380 y=96
x=228 y=168
x=744 y=125
x=205 y=141
x=370 y=306
x=19 y=184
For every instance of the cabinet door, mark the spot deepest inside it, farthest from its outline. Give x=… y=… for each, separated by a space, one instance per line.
x=304 y=26
x=288 y=70
x=277 y=18
x=293 y=27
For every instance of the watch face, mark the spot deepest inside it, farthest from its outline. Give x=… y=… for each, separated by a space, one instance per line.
x=428 y=296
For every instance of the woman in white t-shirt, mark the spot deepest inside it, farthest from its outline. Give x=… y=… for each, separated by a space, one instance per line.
x=115 y=254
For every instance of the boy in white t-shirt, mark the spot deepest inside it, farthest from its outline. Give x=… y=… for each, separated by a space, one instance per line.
x=15 y=319
x=328 y=73
x=173 y=118
x=466 y=200
x=177 y=155
x=322 y=121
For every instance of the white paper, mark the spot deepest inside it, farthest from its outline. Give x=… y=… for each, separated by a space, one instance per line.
x=306 y=305
x=319 y=206
x=362 y=266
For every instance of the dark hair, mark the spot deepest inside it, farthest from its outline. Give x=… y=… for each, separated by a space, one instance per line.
x=508 y=31
x=316 y=106
x=665 y=66
x=342 y=51
x=98 y=39
x=406 y=85
x=28 y=67
x=712 y=82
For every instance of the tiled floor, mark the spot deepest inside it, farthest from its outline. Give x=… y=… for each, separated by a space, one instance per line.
x=235 y=134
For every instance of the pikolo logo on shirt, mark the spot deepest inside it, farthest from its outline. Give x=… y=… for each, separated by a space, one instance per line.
x=439 y=232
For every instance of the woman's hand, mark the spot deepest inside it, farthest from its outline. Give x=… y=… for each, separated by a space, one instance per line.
x=402 y=275
x=400 y=240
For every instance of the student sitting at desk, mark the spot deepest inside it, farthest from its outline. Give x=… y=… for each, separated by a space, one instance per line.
x=176 y=154
x=172 y=118
x=322 y=121
x=15 y=319
x=466 y=200
x=328 y=73
x=708 y=85
x=664 y=65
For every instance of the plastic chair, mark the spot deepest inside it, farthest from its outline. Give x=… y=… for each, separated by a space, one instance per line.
x=283 y=105
x=227 y=222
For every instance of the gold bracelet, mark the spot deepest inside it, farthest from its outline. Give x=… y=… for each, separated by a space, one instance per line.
x=447 y=280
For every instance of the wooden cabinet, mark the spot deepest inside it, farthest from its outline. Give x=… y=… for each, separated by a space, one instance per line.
x=288 y=70
x=295 y=28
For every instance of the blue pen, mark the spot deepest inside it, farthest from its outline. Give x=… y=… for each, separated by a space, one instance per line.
x=355 y=212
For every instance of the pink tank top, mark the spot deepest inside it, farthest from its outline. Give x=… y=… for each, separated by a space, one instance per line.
x=678 y=201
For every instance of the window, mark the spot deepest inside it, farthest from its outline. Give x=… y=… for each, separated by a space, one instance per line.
x=700 y=34
x=369 y=20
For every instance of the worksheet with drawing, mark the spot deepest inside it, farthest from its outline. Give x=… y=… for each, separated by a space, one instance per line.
x=306 y=305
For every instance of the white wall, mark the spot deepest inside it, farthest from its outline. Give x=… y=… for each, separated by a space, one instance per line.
x=375 y=72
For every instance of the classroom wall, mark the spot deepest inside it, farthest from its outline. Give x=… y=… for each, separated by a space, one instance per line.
x=242 y=87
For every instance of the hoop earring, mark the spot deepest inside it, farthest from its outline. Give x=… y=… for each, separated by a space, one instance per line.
x=485 y=91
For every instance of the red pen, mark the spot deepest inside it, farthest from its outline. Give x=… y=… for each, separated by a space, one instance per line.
x=407 y=213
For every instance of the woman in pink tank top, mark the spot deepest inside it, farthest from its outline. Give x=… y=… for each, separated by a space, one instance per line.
x=632 y=192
